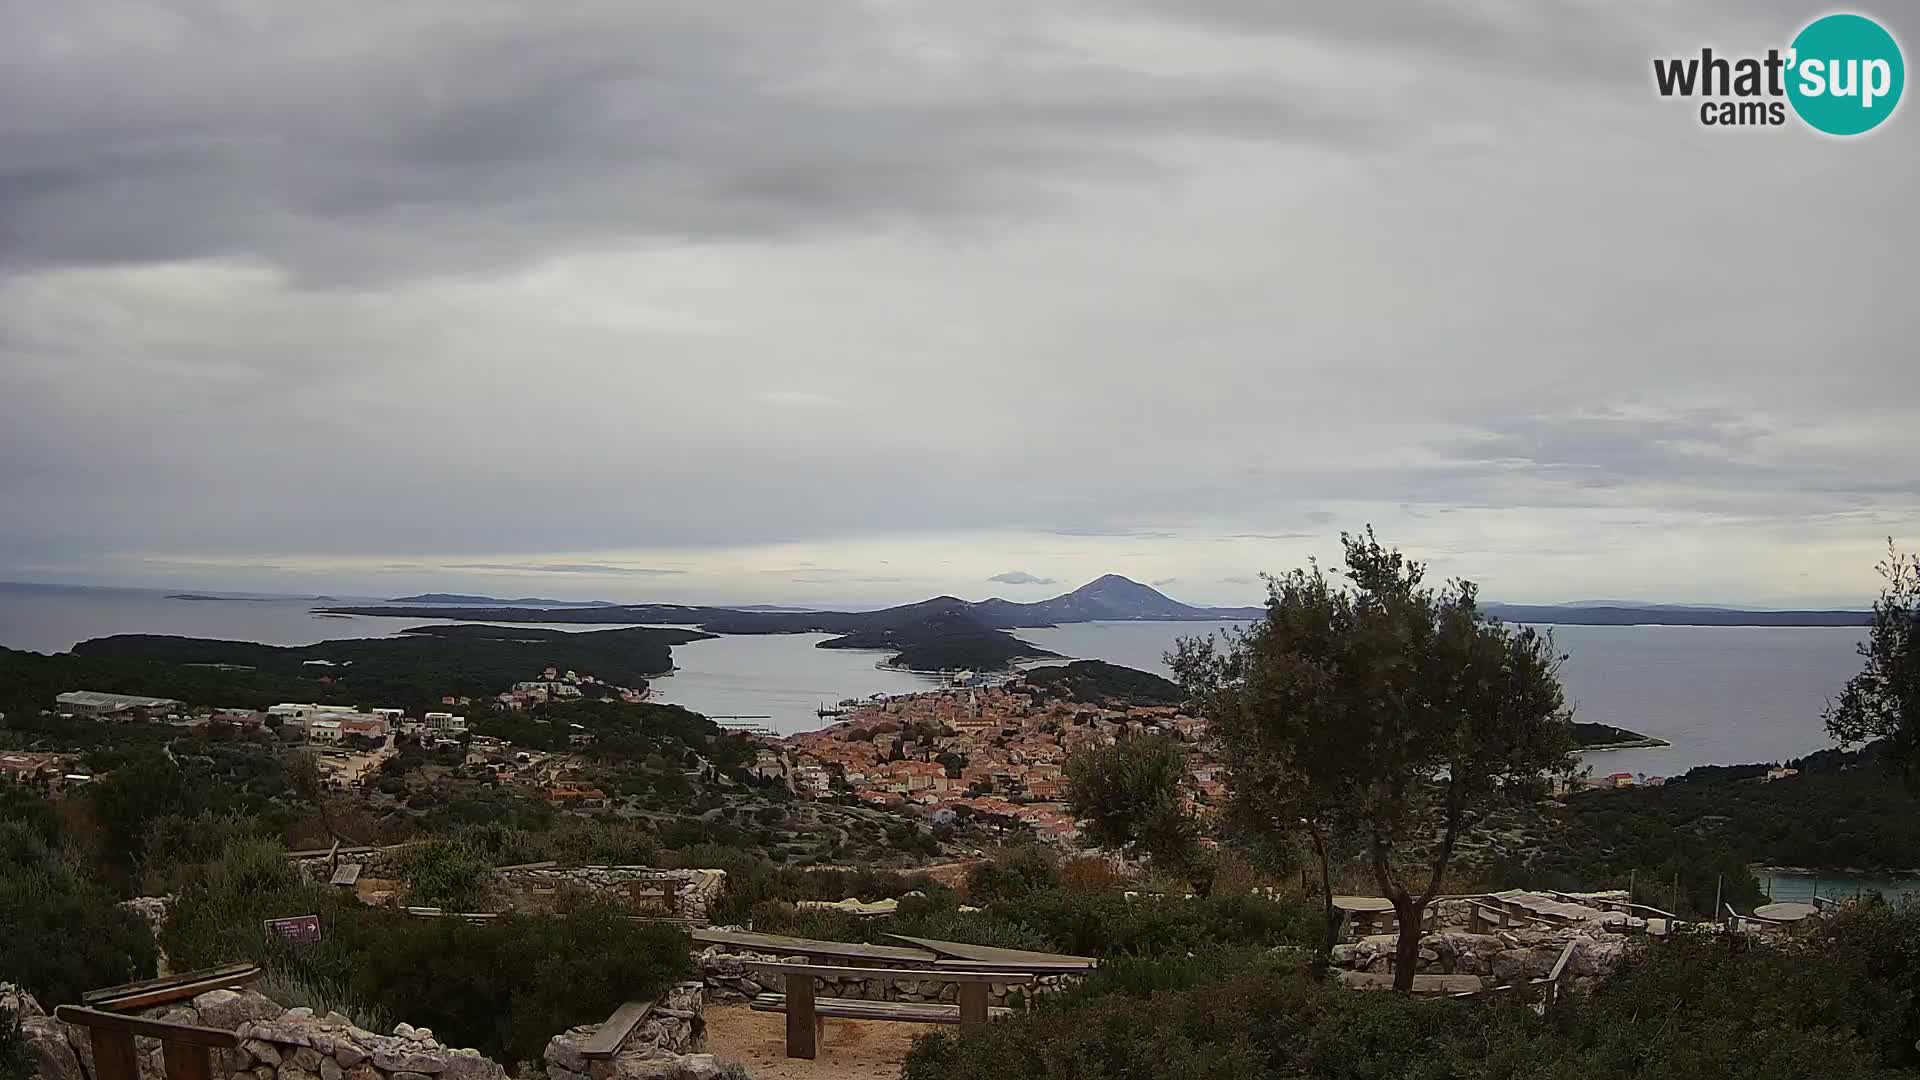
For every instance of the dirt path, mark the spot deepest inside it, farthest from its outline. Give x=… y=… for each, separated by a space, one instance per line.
x=849 y=1049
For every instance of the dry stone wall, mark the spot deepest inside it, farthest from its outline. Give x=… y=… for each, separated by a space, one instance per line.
x=693 y=892
x=727 y=978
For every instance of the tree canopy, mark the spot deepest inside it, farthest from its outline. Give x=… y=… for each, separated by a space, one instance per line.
x=1128 y=796
x=1376 y=712
x=1883 y=700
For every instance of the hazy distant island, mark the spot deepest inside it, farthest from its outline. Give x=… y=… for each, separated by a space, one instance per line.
x=948 y=633
x=251 y=599
x=524 y=601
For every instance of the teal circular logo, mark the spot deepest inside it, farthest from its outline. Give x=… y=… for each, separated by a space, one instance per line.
x=1845 y=74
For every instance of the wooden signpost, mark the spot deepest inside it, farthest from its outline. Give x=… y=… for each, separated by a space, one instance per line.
x=302 y=928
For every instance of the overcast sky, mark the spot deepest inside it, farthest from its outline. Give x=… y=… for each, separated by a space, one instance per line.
x=859 y=302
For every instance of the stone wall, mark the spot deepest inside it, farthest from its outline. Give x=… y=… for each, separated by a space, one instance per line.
x=294 y=1044
x=693 y=891
x=276 y=1044
x=728 y=979
x=1504 y=957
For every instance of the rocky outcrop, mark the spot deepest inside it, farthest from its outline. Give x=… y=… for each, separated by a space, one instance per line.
x=664 y=1047
x=1504 y=958
x=46 y=1038
x=293 y=1044
x=153 y=910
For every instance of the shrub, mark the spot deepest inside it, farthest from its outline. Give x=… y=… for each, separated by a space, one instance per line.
x=1696 y=1007
x=1012 y=873
x=445 y=874
x=60 y=933
x=504 y=986
x=16 y=1063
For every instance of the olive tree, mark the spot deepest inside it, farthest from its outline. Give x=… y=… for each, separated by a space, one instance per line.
x=1128 y=797
x=1883 y=700
x=1375 y=713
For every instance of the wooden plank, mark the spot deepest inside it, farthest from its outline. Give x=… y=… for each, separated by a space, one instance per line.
x=607 y=1039
x=779 y=943
x=962 y=976
x=909 y=1012
x=803 y=1027
x=186 y=1061
x=1560 y=965
x=164 y=995
x=1007 y=959
x=175 y=979
x=1029 y=968
x=973 y=1003
x=135 y=1025
x=113 y=1055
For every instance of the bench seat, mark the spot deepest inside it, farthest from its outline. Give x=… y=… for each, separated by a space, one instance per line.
x=914 y=1012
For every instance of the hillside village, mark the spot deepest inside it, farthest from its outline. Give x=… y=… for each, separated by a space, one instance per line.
x=993 y=754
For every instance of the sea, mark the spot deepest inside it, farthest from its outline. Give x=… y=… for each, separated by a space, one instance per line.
x=1720 y=695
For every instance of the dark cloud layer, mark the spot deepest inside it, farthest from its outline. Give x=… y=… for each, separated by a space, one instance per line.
x=883 y=298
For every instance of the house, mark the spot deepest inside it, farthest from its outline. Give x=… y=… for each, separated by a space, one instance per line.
x=445 y=722
x=30 y=768
x=368 y=727
x=573 y=794
x=328 y=731
x=116 y=706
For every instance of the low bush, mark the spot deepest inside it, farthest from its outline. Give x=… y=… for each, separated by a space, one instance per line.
x=503 y=986
x=61 y=933
x=1701 y=1007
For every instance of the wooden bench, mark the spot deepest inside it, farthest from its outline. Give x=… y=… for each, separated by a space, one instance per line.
x=913 y=1012
x=170 y=988
x=1482 y=917
x=804 y=1015
x=611 y=1035
x=183 y=1047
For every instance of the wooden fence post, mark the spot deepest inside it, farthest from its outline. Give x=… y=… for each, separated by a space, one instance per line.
x=803 y=1029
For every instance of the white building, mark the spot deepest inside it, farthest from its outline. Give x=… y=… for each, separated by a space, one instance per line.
x=324 y=730
x=445 y=722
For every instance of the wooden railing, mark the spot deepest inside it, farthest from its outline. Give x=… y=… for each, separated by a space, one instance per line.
x=183 y=1047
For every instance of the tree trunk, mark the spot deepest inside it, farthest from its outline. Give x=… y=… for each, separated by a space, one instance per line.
x=1406 y=950
x=1324 y=958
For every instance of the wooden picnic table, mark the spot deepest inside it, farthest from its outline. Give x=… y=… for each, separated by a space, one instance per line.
x=804 y=1013
x=960 y=954
x=780 y=944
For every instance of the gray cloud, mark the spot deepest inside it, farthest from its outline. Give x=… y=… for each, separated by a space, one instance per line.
x=781 y=294
x=1021 y=577
x=567 y=568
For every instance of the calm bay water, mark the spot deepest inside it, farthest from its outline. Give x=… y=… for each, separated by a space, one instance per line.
x=1720 y=695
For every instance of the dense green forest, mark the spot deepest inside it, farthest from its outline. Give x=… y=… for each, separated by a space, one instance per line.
x=1100 y=682
x=412 y=671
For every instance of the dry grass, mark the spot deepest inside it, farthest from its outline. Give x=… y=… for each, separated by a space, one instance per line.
x=849 y=1049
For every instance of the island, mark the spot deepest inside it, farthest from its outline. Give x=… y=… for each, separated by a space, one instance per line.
x=1101 y=683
